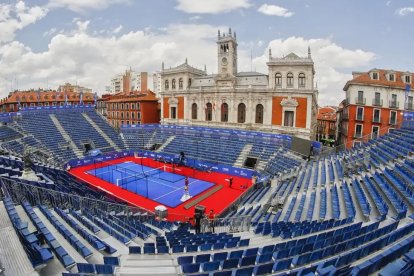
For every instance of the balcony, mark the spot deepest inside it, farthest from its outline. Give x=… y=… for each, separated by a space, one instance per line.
x=359 y=100
x=377 y=102
x=357 y=135
x=376 y=120
x=393 y=122
x=409 y=106
x=359 y=117
x=394 y=104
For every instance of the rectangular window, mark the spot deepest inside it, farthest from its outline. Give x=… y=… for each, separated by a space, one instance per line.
x=375 y=132
x=375 y=75
x=289 y=117
x=360 y=94
x=393 y=102
x=410 y=103
x=377 y=118
x=393 y=117
x=360 y=113
x=357 y=143
x=358 y=131
x=392 y=77
x=407 y=79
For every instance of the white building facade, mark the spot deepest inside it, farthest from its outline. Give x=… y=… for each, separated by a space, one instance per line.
x=283 y=101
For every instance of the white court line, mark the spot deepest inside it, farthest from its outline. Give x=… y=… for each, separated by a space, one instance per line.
x=175 y=190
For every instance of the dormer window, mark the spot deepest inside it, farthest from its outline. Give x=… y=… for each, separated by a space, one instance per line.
x=407 y=79
x=391 y=77
x=375 y=76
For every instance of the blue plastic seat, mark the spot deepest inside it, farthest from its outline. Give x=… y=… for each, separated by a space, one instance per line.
x=202 y=258
x=185 y=260
x=111 y=260
x=104 y=269
x=247 y=261
x=190 y=268
x=230 y=263
x=86 y=268
x=247 y=271
x=220 y=256
x=134 y=250
x=210 y=266
x=263 y=269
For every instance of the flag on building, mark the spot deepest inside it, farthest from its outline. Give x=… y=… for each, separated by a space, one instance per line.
x=66 y=99
x=81 y=98
x=95 y=97
x=407 y=92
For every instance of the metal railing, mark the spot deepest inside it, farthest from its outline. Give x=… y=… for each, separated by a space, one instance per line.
x=382 y=131
x=376 y=119
x=19 y=191
x=394 y=104
x=359 y=100
x=226 y=225
x=409 y=106
x=377 y=102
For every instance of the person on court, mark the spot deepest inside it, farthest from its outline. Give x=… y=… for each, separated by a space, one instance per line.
x=211 y=218
x=186 y=183
x=230 y=181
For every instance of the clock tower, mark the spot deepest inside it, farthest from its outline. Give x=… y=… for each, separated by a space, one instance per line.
x=227 y=54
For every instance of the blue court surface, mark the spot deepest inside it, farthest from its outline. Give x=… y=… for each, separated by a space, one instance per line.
x=157 y=184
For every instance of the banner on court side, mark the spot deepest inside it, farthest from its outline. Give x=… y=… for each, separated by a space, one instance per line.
x=92 y=159
x=200 y=165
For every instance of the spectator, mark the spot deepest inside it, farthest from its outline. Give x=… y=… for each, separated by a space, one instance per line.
x=211 y=217
x=197 y=222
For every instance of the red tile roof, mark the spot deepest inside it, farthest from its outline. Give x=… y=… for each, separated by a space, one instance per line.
x=365 y=79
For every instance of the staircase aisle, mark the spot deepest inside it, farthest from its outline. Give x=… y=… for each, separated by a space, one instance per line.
x=99 y=130
x=243 y=154
x=76 y=150
x=12 y=255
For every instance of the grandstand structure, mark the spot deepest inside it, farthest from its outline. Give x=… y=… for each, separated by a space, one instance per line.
x=344 y=213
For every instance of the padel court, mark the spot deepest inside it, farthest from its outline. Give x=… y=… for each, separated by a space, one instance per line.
x=165 y=185
x=158 y=184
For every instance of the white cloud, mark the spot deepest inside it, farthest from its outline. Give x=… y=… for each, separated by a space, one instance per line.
x=212 y=6
x=388 y=3
x=274 y=10
x=117 y=29
x=194 y=18
x=92 y=59
x=82 y=5
x=16 y=17
x=50 y=32
x=329 y=58
x=405 y=11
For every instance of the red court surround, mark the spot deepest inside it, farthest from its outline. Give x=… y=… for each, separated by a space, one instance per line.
x=217 y=201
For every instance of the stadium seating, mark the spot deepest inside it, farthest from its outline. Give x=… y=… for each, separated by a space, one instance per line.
x=346 y=213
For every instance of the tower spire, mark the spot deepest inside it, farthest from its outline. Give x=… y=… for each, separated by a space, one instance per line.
x=270 y=53
x=309 y=52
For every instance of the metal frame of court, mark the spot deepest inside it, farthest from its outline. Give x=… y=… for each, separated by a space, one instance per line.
x=218 y=197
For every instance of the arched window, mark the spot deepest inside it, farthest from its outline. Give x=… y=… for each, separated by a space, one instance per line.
x=289 y=80
x=122 y=115
x=122 y=106
x=224 y=112
x=301 y=80
x=127 y=114
x=194 y=111
x=132 y=115
x=180 y=83
x=209 y=112
x=173 y=84
x=167 y=84
x=259 y=114
x=278 y=79
x=241 y=113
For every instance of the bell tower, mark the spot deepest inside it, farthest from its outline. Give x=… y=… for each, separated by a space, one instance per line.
x=227 y=53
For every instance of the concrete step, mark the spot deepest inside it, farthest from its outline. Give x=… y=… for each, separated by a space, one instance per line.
x=99 y=130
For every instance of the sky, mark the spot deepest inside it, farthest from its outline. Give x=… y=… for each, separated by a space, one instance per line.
x=46 y=43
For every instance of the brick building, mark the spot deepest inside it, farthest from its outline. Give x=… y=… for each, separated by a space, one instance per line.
x=375 y=103
x=326 y=125
x=138 y=107
x=66 y=96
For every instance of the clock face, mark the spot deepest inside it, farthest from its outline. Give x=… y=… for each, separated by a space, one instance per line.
x=224 y=61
